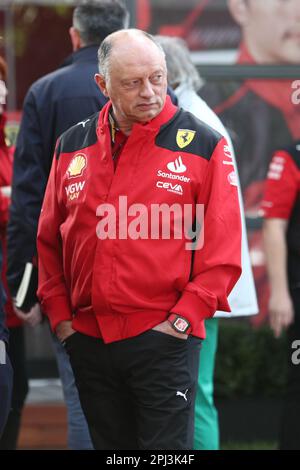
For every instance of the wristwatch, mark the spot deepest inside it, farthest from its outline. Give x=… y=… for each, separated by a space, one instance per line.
x=179 y=324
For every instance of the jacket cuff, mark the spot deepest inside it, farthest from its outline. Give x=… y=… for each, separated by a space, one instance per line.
x=192 y=307
x=57 y=310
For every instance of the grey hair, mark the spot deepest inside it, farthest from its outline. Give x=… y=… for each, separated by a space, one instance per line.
x=181 y=69
x=96 y=19
x=104 y=51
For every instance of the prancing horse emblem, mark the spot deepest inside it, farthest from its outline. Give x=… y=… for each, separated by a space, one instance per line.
x=184 y=137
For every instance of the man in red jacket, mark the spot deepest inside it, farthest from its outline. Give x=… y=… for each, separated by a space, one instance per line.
x=281 y=211
x=128 y=299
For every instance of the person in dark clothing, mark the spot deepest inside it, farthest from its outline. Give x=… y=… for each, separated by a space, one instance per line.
x=6 y=371
x=9 y=439
x=53 y=104
x=13 y=323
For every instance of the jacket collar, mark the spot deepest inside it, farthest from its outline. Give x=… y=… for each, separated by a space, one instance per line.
x=168 y=111
x=84 y=54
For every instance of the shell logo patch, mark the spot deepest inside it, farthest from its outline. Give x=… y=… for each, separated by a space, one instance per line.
x=184 y=137
x=77 y=166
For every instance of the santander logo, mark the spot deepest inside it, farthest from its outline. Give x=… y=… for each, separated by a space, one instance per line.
x=177 y=166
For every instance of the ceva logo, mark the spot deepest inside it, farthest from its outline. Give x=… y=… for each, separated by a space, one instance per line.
x=170 y=187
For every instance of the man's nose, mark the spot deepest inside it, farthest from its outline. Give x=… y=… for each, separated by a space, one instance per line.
x=147 y=89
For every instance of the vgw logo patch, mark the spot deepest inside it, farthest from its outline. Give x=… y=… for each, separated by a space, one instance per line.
x=73 y=190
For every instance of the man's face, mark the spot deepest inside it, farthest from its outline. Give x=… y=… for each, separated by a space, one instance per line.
x=137 y=82
x=271 y=29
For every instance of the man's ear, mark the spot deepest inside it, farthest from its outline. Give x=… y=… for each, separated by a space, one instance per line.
x=238 y=10
x=75 y=39
x=101 y=82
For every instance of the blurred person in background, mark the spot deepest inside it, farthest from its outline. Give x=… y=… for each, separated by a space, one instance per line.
x=15 y=325
x=54 y=103
x=270 y=35
x=184 y=78
x=259 y=114
x=6 y=371
x=281 y=228
x=270 y=30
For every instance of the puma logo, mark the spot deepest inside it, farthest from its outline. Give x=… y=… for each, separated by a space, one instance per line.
x=180 y=394
x=83 y=123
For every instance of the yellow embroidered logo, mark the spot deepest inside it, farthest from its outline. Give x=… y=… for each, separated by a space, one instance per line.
x=77 y=166
x=184 y=137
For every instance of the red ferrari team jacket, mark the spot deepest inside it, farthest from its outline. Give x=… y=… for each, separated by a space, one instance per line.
x=120 y=286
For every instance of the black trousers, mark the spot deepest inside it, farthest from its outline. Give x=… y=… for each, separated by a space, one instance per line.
x=138 y=393
x=17 y=356
x=290 y=434
x=6 y=384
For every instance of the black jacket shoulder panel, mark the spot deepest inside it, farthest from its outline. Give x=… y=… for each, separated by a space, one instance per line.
x=80 y=136
x=188 y=134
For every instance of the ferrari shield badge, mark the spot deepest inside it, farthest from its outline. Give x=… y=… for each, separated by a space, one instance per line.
x=184 y=137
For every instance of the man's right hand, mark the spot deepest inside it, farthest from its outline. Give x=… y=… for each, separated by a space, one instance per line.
x=281 y=312
x=64 y=330
x=166 y=328
x=33 y=317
